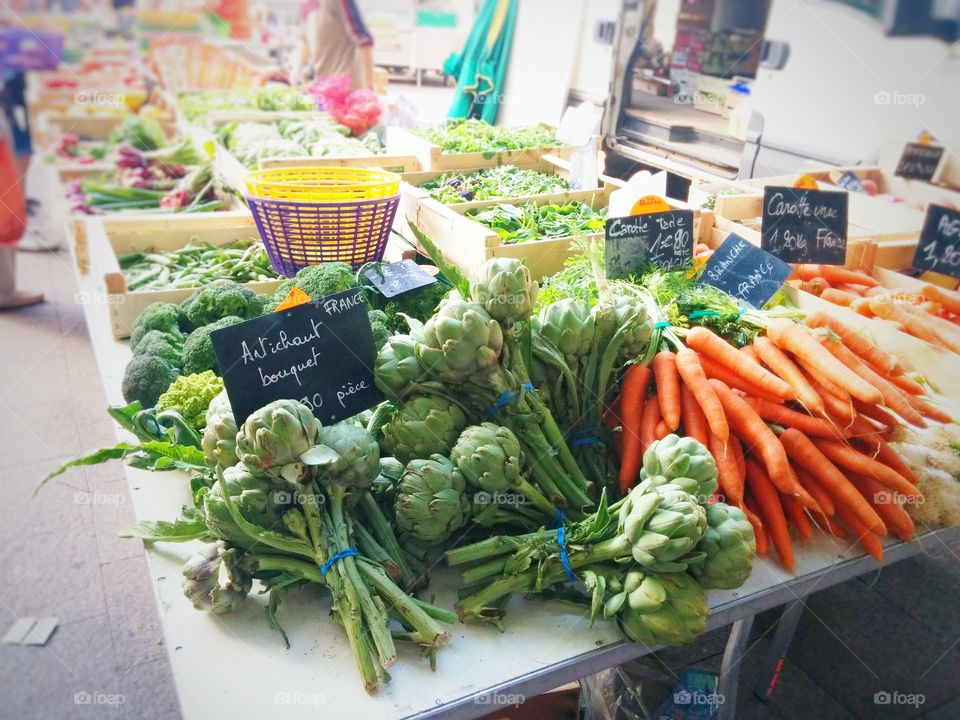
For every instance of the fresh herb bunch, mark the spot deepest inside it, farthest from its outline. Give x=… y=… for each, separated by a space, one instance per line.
x=195 y=105
x=307 y=137
x=520 y=223
x=465 y=136
x=505 y=181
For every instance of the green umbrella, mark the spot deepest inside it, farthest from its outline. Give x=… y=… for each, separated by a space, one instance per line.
x=482 y=66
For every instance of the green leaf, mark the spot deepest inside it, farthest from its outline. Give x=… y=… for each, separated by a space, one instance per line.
x=189 y=527
x=95 y=458
x=183 y=457
x=456 y=278
x=271 y=612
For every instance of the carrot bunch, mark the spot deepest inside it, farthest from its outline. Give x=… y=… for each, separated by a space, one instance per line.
x=932 y=315
x=796 y=424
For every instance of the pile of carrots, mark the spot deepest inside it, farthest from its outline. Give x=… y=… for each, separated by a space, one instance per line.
x=932 y=315
x=796 y=423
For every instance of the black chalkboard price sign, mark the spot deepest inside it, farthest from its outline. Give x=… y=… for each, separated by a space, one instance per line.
x=849 y=181
x=745 y=271
x=939 y=246
x=393 y=279
x=320 y=353
x=805 y=226
x=919 y=161
x=635 y=243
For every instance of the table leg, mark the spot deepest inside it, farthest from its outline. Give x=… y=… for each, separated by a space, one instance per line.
x=730 y=667
x=787 y=626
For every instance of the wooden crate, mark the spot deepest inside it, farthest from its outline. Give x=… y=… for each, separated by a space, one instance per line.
x=468 y=244
x=404 y=142
x=109 y=237
x=915 y=193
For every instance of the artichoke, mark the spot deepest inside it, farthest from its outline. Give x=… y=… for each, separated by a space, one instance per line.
x=430 y=501
x=730 y=547
x=663 y=525
x=668 y=609
x=635 y=328
x=258 y=499
x=219 y=441
x=214 y=579
x=569 y=325
x=347 y=457
x=503 y=286
x=423 y=426
x=683 y=462
x=273 y=439
x=397 y=369
x=461 y=342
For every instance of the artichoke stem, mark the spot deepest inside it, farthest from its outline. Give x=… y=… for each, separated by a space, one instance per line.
x=370 y=548
x=491 y=547
x=380 y=526
x=491 y=568
x=376 y=621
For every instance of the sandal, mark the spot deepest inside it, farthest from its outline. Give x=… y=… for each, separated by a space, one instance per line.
x=22 y=299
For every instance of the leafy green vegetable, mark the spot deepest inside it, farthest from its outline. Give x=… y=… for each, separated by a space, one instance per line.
x=505 y=181
x=520 y=223
x=300 y=137
x=140 y=131
x=465 y=136
x=190 y=395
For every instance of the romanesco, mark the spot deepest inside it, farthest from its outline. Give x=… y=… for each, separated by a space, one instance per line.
x=190 y=395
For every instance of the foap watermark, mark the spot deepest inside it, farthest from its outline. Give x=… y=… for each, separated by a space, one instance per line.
x=892 y=497
x=288 y=497
x=283 y=697
x=98 y=698
x=697 y=697
x=500 y=699
x=896 y=97
x=88 y=298
x=98 y=498
x=886 y=697
x=499 y=498
x=99 y=98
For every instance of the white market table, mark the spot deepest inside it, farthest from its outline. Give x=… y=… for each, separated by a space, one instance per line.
x=235 y=666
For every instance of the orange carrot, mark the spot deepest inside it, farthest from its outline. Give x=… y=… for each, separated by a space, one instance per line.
x=886 y=505
x=828 y=525
x=803 y=452
x=668 y=387
x=856 y=290
x=662 y=430
x=789 y=336
x=886 y=363
x=835 y=407
x=782 y=415
x=826 y=382
x=691 y=371
x=648 y=423
x=917 y=326
x=870 y=542
x=731 y=378
x=816 y=489
x=835 y=274
x=949 y=331
x=816 y=286
x=750 y=352
x=782 y=366
x=760 y=439
x=771 y=512
x=728 y=475
x=861 y=306
x=877 y=414
x=853 y=460
x=908 y=385
x=949 y=299
x=930 y=411
x=796 y=516
x=713 y=346
x=736 y=448
x=891 y=458
x=632 y=398
x=752 y=512
x=838 y=297
x=933 y=308
x=694 y=422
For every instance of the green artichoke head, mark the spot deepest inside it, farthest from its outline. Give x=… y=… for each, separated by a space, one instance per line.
x=635 y=328
x=259 y=499
x=569 y=325
x=461 y=342
x=219 y=442
x=662 y=525
x=682 y=461
x=729 y=546
x=430 y=502
x=504 y=287
x=397 y=368
x=346 y=457
x=488 y=456
x=666 y=609
x=214 y=579
x=273 y=439
x=422 y=426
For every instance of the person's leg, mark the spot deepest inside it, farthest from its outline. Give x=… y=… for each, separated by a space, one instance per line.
x=10 y=297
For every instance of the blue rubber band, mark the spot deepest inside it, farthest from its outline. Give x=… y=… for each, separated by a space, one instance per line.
x=340 y=555
x=660 y=325
x=697 y=314
x=559 y=518
x=505 y=398
x=564 y=560
x=586 y=436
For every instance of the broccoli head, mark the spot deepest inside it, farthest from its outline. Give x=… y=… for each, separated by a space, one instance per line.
x=156 y=316
x=381 y=331
x=190 y=395
x=318 y=281
x=220 y=299
x=419 y=304
x=162 y=344
x=283 y=289
x=146 y=378
x=198 y=354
